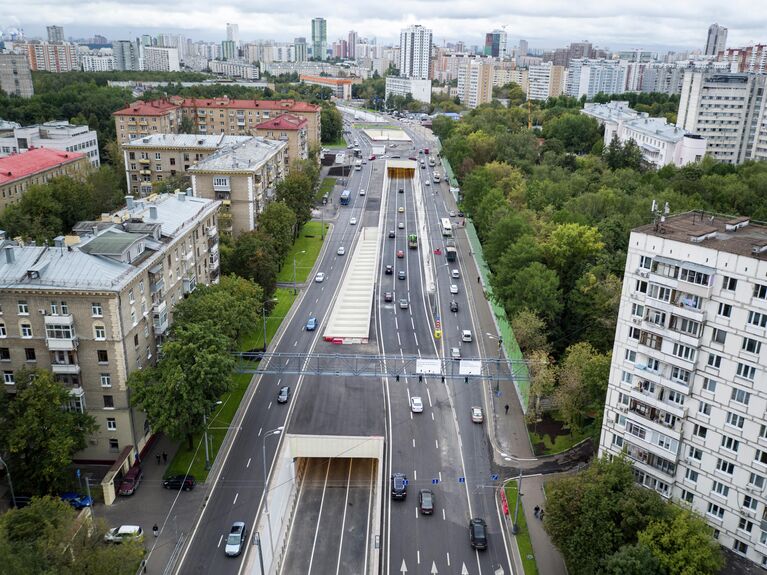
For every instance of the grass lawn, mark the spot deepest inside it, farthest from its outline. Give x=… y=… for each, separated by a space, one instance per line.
x=339 y=143
x=523 y=535
x=255 y=339
x=308 y=242
x=326 y=187
x=560 y=443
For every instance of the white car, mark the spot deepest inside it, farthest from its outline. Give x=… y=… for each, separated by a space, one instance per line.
x=466 y=336
x=320 y=277
x=452 y=214
x=455 y=274
x=476 y=414
x=453 y=288
x=427 y=183
x=341 y=250
x=353 y=221
x=362 y=192
x=401 y=225
x=455 y=352
x=416 y=404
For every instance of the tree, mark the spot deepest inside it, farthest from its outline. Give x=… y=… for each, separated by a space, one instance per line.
x=279 y=222
x=296 y=191
x=331 y=123
x=577 y=132
x=186 y=126
x=632 y=560
x=569 y=248
x=255 y=258
x=583 y=375
x=529 y=331
x=39 y=434
x=683 y=544
x=543 y=379
x=534 y=287
x=593 y=307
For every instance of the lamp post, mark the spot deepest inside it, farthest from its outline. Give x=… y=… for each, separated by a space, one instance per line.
x=271 y=432
x=205 y=433
x=515 y=524
x=257 y=541
x=10 y=483
x=498 y=365
x=295 y=291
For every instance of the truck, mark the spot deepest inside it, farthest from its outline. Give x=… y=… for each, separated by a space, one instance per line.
x=450 y=251
x=412 y=242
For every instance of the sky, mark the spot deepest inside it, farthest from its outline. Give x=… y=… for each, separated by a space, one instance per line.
x=613 y=24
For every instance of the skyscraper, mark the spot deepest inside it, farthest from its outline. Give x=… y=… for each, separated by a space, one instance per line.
x=126 y=55
x=300 y=49
x=319 y=39
x=233 y=33
x=523 y=48
x=414 y=52
x=495 y=44
x=717 y=39
x=228 y=50
x=55 y=34
x=351 y=45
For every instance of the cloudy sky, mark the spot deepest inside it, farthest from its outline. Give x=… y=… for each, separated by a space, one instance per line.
x=616 y=24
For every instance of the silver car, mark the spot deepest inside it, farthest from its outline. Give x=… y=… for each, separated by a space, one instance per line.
x=236 y=539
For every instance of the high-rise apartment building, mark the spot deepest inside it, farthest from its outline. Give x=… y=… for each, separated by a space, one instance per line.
x=545 y=81
x=352 y=45
x=158 y=59
x=747 y=59
x=126 y=55
x=15 y=76
x=495 y=44
x=319 y=39
x=587 y=77
x=97 y=62
x=523 y=48
x=300 y=49
x=686 y=401
x=233 y=33
x=56 y=58
x=415 y=52
x=717 y=40
x=228 y=50
x=475 y=82
x=55 y=34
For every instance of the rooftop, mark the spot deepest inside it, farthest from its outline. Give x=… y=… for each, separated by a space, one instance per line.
x=284 y=122
x=18 y=166
x=326 y=79
x=244 y=156
x=731 y=234
x=224 y=102
x=153 y=108
x=211 y=141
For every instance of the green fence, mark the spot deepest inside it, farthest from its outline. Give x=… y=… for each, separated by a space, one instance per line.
x=449 y=173
x=510 y=346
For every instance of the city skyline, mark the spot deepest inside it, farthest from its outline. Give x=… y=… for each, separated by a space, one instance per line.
x=622 y=25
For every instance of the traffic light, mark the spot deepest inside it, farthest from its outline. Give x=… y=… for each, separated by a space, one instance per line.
x=466 y=379
x=397 y=377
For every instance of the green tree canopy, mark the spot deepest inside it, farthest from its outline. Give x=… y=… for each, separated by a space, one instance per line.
x=279 y=222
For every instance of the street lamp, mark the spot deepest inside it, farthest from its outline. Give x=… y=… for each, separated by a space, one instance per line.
x=271 y=432
x=498 y=365
x=10 y=483
x=205 y=433
x=515 y=524
x=294 y=270
x=263 y=313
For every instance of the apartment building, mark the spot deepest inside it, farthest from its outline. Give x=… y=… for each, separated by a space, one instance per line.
x=415 y=52
x=545 y=81
x=19 y=171
x=56 y=135
x=475 y=82
x=157 y=59
x=158 y=157
x=716 y=40
x=341 y=87
x=96 y=306
x=210 y=116
x=588 y=77
x=747 y=59
x=419 y=89
x=53 y=57
x=243 y=176
x=234 y=69
x=729 y=111
x=99 y=62
x=686 y=398
x=287 y=128
x=661 y=143
x=15 y=76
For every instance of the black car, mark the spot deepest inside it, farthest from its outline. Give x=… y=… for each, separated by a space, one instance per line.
x=426 y=501
x=478 y=533
x=185 y=482
x=398 y=486
x=391 y=233
x=401 y=190
x=284 y=394
x=389 y=269
x=453 y=305
x=401 y=274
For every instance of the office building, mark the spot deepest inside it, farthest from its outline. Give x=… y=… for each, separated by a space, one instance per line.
x=57 y=135
x=19 y=171
x=415 y=52
x=243 y=176
x=495 y=44
x=729 y=111
x=96 y=306
x=419 y=89
x=233 y=34
x=15 y=76
x=287 y=128
x=300 y=50
x=523 y=48
x=126 y=55
x=588 y=77
x=716 y=41
x=545 y=81
x=55 y=34
x=475 y=82
x=747 y=59
x=56 y=58
x=319 y=39
x=685 y=401
x=661 y=143
x=156 y=59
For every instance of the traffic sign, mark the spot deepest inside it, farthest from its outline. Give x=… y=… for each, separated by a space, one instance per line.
x=461 y=480
x=406 y=482
x=435 y=481
x=494 y=477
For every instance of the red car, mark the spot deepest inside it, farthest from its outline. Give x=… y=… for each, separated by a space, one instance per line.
x=372 y=157
x=400 y=254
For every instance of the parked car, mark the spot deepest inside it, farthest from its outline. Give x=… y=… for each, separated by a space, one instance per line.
x=311 y=323
x=185 y=482
x=76 y=500
x=238 y=535
x=476 y=414
x=131 y=481
x=398 y=486
x=284 y=394
x=426 y=501
x=124 y=533
x=478 y=533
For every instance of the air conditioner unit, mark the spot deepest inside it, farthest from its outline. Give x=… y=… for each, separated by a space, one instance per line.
x=623 y=408
x=644 y=274
x=749 y=513
x=636 y=320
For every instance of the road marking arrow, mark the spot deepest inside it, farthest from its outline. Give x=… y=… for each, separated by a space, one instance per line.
x=464 y=571
x=403 y=569
x=434 y=568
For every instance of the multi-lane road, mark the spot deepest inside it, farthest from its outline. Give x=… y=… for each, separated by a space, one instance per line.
x=440 y=449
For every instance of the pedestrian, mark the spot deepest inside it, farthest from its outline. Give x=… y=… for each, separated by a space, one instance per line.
x=158 y=458
x=478 y=278
x=506 y=407
x=164 y=457
x=540 y=515
x=156 y=530
x=537 y=510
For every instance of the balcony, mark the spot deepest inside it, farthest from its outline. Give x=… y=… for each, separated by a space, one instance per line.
x=212 y=231
x=62 y=344
x=145 y=172
x=77 y=392
x=67 y=320
x=221 y=187
x=160 y=318
x=190 y=284
x=65 y=368
x=214 y=260
x=144 y=161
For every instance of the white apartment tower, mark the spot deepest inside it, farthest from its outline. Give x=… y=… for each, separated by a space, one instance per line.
x=415 y=52
x=717 y=40
x=545 y=81
x=233 y=33
x=687 y=392
x=588 y=77
x=160 y=59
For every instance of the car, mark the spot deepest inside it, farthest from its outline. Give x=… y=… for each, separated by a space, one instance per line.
x=478 y=533
x=76 y=500
x=476 y=414
x=420 y=151
x=311 y=323
x=452 y=213
x=401 y=274
x=423 y=166
x=398 y=486
x=320 y=277
x=238 y=535
x=352 y=221
x=372 y=157
x=427 y=183
x=413 y=158
x=461 y=214
x=466 y=336
x=400 y=253
x=185 y=482
x=401 y=225
x=393 y=146
x=349 y=146
x=401 y=209
x=392 y=233
x=388 y=296
x=403 y=303
x=131 y=481
x=453 y=305
x=416 y=404
x=426 y=501
x=389 y=269
x=455 y=274
x=341 y=250
x=453 y=289
x=455 y=352
x=402 y=190
x=362 y=192
x=284 y=394
x=124 y=533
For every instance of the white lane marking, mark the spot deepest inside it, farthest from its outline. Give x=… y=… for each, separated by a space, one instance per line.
x=432 y=416
x=399 y=341
x=287 y=361
x=236 y=495
x=247 y=465
x=269 y=406
x=436 y=443
x=416 y=511
x=415 y=475
x=416 y=339
x=439 y=474
x=396 y=323
x=418 y=556
x=317 y=300
x=317 y=529
x=448 y=559
x=412 y=323
x=260 y=429
x=429 y=396
x=443 y=516
x=343 y=523
x=295 y=343
x=413 y=441
x=220 y=539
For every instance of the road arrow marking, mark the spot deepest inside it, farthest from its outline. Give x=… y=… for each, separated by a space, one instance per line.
x=434 y=568
x=403 y=569
x=464 y=571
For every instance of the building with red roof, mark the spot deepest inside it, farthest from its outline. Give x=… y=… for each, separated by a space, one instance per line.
x=287 y=128
x=37 y=166
x=342 y=87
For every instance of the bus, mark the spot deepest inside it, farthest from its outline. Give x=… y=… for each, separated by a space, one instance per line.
x=345 y=195
x=447 y=228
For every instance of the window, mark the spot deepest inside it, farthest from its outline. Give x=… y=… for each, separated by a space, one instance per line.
x=720 y=489
x=695 y=453
x=760 y=291
x=626 y=377
x=103 y=356
x=745 y=525
x=680 y=375
x=730 y=443
x=694 y=277
x=114 y=445
x=756 y=480
x=656 y=316
x=636 y=430
x=23 y=307
x=687 y=496
x=718 y=336
x=222 y=182
x=637 y=310
x=675 y=397
x=725 y=310
x=746 y=371
x=700 y=431
x=8 y=378
x=96 y=310
x=709 y=384
x=26 y=330
x=761 y=457
x=99 y=332
x=641 y=286
x=757 y=319
x=133 y=317
x=131 y=298
x=691 y=475
x=740 y=395
x=631 y=356
x=725 y=466
x=751 y=345
x=729 y=283
x=5 y=354
x=739 y=547
x=617 y=440
x=684 y=351
x=704 y=408
x=157 y=156
x=763 y=431
x=135 y=340
x=64 y=308
x=750 y=503
x=29 y=353
x=3 y=333
x=735 y=420
x=714 y=360
x=109 y=402
x=715 y=511
x=106 y=380
x=659 y=292
x=645 y=262
x=111 y=424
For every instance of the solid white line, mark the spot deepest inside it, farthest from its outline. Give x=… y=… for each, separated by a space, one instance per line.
x=448 y=559
x=415 y=337
x=429 y=396
x=399 y=341
x=370 y=506
x=414 y=443
x=343 y=523
x=416 y=511
x=319 y=517
x=418 y=556
x=436 y=443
